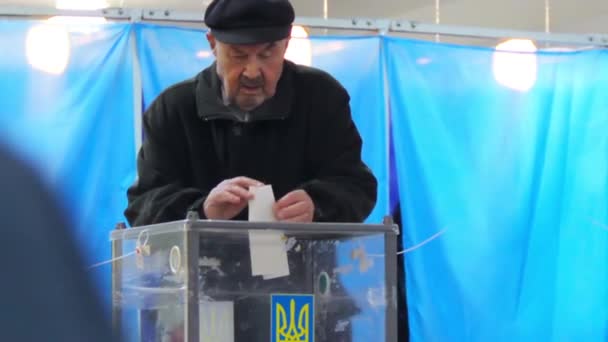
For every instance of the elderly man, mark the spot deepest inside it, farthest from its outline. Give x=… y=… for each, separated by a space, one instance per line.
x=253 y=118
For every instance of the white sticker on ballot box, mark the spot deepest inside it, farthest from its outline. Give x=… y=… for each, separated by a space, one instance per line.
x=216 y=322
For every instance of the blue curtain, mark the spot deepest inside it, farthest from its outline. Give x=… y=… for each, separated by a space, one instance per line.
x=363 y=78
x=519 y=182
x=171 y=54
x=75 y=127
x=518 y=179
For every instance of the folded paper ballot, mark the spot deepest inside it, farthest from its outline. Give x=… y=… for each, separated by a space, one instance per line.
x=267 y=247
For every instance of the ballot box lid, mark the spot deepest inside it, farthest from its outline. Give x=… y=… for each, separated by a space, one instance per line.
x=221 y=226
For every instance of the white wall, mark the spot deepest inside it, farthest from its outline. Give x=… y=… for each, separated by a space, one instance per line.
x=576 y=16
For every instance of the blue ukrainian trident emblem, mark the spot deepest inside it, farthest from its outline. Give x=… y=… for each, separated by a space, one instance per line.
x=292 y=318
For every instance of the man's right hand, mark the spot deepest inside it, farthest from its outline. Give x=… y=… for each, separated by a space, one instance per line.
x=229 y=198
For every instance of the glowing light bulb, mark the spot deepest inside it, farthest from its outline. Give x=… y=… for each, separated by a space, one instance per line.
x=515 y=64
x=299 y=50
x=47 y=48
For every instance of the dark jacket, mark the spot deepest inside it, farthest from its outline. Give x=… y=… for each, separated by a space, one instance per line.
x=45 y=294
x=302 y=138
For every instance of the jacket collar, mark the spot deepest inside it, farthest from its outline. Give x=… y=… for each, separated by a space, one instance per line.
x=210 y=105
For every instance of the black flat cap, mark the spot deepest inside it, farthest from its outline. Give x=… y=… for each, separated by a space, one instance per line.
x=249 y=21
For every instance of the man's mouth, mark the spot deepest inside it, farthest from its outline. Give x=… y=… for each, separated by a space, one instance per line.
x=250 y=89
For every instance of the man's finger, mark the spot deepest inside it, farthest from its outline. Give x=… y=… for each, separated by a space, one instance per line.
x=227 y=197
x=290 y=198
x=246 y=182
x=294 y=210
x=239 y=191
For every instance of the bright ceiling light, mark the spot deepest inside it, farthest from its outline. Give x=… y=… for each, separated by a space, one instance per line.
x=47 y=48
x=299 y=50
x=299 y=32
x=515 y=64
x=48 y=45
x=83 y=5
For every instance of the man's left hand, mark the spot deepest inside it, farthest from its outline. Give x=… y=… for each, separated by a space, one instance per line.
x=296 y=206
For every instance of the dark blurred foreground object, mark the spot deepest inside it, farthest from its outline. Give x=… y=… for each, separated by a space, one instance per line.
x=45 y=292
x=402 y=314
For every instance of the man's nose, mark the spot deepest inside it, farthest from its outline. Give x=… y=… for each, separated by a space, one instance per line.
x=252 y=69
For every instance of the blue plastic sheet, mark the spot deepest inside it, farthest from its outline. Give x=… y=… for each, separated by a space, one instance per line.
x=518 y=179
x=519 y=182
x=169 y=55
x=75 y=127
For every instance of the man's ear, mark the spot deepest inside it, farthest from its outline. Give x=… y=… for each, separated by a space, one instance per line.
x=212 y=42
x=287 y=40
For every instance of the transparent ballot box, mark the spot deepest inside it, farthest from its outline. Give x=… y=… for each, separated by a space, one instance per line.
x=225 y=281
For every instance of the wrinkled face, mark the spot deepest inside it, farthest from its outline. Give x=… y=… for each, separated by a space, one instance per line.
x=249 y=73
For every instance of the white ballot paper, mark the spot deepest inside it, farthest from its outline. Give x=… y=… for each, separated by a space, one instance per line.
x=267 y=248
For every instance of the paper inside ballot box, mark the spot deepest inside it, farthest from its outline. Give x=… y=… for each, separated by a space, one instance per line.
x=216 y=322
